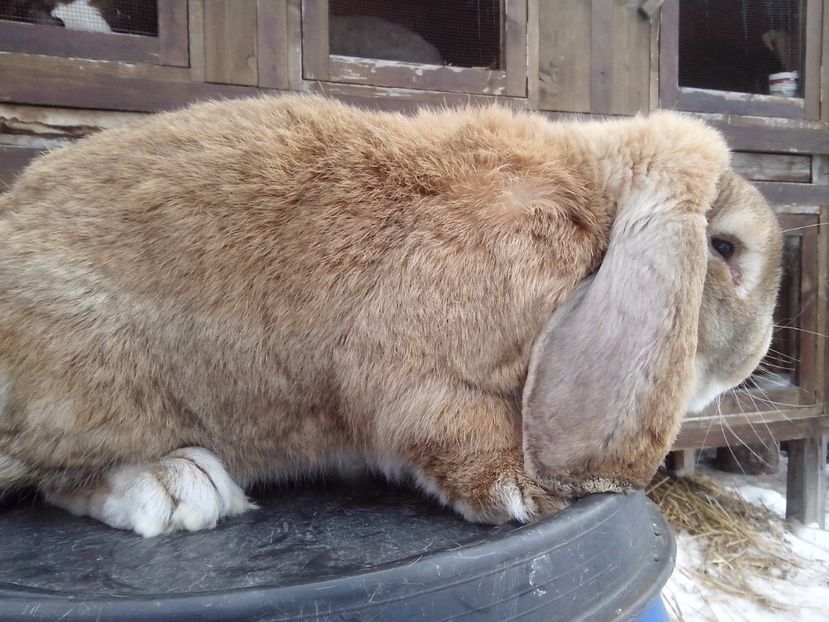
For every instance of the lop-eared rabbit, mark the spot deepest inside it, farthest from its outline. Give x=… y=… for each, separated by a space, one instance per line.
x=512 y=312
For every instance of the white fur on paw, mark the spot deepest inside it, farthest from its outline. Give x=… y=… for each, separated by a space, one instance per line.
x=188 y=489
x=511 y=497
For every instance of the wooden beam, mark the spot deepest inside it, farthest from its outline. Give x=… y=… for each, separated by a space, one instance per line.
x=564 y=56
x=631 y=62
x=684 y=462
x=230 y=42
x=12 y=161
x=794 y=194
x=773 y=139
x=824 y=66
x=515 y=47
x=51 y=41
x=806 y=482
x=601 y=56
x=173 y=40
x=315 y=54
x=773 y=167
x=760 y=427
x=812 y=57
x=75 y=83
x=669 y=54
x=195 y=31
x=375 y=72
x=707 y=100
x=272 y=43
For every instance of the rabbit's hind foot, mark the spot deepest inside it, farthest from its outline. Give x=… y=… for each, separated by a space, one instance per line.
x=188 y=489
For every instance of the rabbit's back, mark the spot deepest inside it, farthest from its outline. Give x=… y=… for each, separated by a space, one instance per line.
x=280 y=274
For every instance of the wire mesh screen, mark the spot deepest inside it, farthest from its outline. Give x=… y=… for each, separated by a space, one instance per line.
x=736 y=45
x=133 y=17
x=463 y=33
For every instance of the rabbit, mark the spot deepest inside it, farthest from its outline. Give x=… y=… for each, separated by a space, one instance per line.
x=80 y=15
x=374 y=37
x=509 y=311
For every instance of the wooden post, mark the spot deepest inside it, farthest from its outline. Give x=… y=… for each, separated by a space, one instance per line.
x=806 y=485
x=684 y=462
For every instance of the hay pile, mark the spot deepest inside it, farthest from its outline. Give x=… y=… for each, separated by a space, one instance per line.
x=738 y=539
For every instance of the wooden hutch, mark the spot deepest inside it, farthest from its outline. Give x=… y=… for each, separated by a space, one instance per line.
x=64 y=76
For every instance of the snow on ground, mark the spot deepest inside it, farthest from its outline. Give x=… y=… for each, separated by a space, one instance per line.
x=797 y=593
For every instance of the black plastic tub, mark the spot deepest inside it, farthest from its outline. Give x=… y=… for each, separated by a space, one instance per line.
x=361 y=551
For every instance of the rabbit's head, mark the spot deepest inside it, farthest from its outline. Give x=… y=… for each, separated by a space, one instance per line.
x=744 y=266
x=679 y=311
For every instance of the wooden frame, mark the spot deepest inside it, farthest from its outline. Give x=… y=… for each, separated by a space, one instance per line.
x=596 y=57
x=672 y=95
x=168 y=48
x=319 y=64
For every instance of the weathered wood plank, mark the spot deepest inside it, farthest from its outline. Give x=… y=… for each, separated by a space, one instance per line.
x=812 y=58
x=230 y=42
x=806 y=483
x=45 y=127
x=630 y=88
x=601 y=56
x=403 y=100
x=52 y=41
x=684 y=462
x=760 y=427
x=809 y=290
x=272 y=43
x=824 y=66
x=515 y=47
x=532 y=52
x=74 y=83
x=408 y=75
x=773 y=167
x=823 y=294
x=820 y=170
x=315 y=41
x=704 y=100
x=773 y=139
x=669 y=54
x=653 y=78
x=12 y=161
x=564 y=56
x=294 y=41
x=195 y=30
x=173 y=44
x=794 y=194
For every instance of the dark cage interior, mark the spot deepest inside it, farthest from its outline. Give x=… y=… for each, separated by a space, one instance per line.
x=734 y=45
x=780 y=367
x=463 y=33
x=131 y=17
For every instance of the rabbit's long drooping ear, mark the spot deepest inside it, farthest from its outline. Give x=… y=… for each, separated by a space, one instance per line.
x=610 y=374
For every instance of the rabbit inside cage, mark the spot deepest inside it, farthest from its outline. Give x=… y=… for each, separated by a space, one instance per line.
x=133 y=17
x=468 y=33
x=738 y=45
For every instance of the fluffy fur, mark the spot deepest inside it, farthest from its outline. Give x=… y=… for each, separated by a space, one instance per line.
x=287 y=283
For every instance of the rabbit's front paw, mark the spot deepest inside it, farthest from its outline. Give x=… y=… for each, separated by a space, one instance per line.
x=487 y=488
x=187 y=489
x=513 y=497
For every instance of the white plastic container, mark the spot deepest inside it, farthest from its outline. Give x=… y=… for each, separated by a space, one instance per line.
x=783 y=83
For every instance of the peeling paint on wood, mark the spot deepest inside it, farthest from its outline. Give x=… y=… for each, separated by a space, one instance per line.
x=398 y=74
x=773 y=167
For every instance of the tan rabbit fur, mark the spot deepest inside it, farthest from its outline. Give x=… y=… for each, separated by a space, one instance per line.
x=290 y=283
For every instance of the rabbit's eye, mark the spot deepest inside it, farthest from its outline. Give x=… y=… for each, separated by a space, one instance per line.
x=724 y=248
